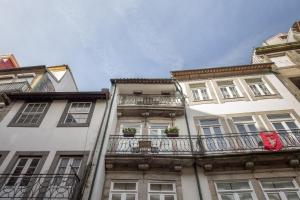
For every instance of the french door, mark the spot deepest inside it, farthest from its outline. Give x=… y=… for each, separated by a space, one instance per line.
x=21 y=181
x=213 y=133
x=159 y=141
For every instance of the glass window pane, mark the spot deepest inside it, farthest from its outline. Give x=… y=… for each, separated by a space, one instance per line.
x=245 y=196
x=124 y=186
x=278 y=126
x=284 y=184
x=224 y=186
x=279 y=116
x=292 y=196
x=292 y=125
x=161 y=187
x=116 y=197
x=252 y=128
x=154 y=197
x=227 y=197
x=241 y=128
x=130 y=197
x=169 y=197
x=217 y=131
x=207 y=122
x=206 y=131
x=274 y=196
x=240 y=185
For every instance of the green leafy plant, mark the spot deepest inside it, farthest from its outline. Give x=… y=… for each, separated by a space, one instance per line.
x=172 y=131
x=129 y=131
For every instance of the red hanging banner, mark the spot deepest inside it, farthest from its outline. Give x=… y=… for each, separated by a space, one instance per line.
x=271 y=140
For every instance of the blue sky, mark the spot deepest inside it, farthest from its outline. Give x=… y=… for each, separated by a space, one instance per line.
x=103 y=39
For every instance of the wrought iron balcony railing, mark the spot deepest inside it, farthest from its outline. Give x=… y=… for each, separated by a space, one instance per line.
x=119 y=144
x=15 y=87
x=38 y=186
x=245 y=142
x=148 y=100
x=197 y=145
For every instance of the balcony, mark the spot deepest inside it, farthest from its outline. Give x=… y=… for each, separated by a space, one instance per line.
x=39 y=186
x=197 y=145
x=162 y=105
x=171 y=151
x=142 y=145
x=15 y=87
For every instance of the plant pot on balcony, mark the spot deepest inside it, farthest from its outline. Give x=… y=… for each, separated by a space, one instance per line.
x=172 y=132
x=129 y=132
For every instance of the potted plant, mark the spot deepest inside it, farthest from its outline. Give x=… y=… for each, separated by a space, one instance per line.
x=129 y=132
x=172 y=131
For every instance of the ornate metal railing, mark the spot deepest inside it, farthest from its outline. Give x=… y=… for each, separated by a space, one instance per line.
x=119 y=144
x=197 y=145
x=15 y=87
x=38 y=186
x=244 y=142
x=158 y=100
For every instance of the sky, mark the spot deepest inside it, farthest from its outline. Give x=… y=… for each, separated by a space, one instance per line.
x=104 y=39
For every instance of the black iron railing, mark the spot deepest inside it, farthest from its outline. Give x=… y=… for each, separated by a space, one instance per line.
x=38 y=186
x=245 y=142
x=197 y=145
x=119 y=144
x=15 y=87
x=159 y=100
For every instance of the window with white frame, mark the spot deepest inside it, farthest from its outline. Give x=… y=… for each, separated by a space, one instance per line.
x=283 y=122
x=245 y=124
x=235 y=190
x=210 y=126
x=281 y=60
x=157 y=129
x=280 y=189
x=78 y=113
x=200 y=92
x=67 y=165
x=162 y=191
x=31 y=114
x=228 y=89
x=258 y=87
x=123 y=191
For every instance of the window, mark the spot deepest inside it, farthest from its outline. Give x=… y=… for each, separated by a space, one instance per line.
x=23 y=170
x=228 y=90
x=281 y=60
x=158 y=129
x=280 y=189
x=162 y=191
x=200 y=92
x=258 y=87
x=211 y=129
x=77 y=114
x=31 y=114
x=210 y=126
x=65 y=168
x=238 y=190
x=245 y=124
x=123 y=191
x=282 y=122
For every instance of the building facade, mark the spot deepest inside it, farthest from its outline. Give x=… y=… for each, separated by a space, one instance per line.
x=284 y=50
x=47 y=140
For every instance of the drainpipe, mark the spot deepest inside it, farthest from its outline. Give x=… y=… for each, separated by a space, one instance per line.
x=179 y=88
x=102 y=142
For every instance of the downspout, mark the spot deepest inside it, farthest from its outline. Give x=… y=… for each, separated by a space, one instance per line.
x=102 y=142
x=90 y=160
x=179 y=88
